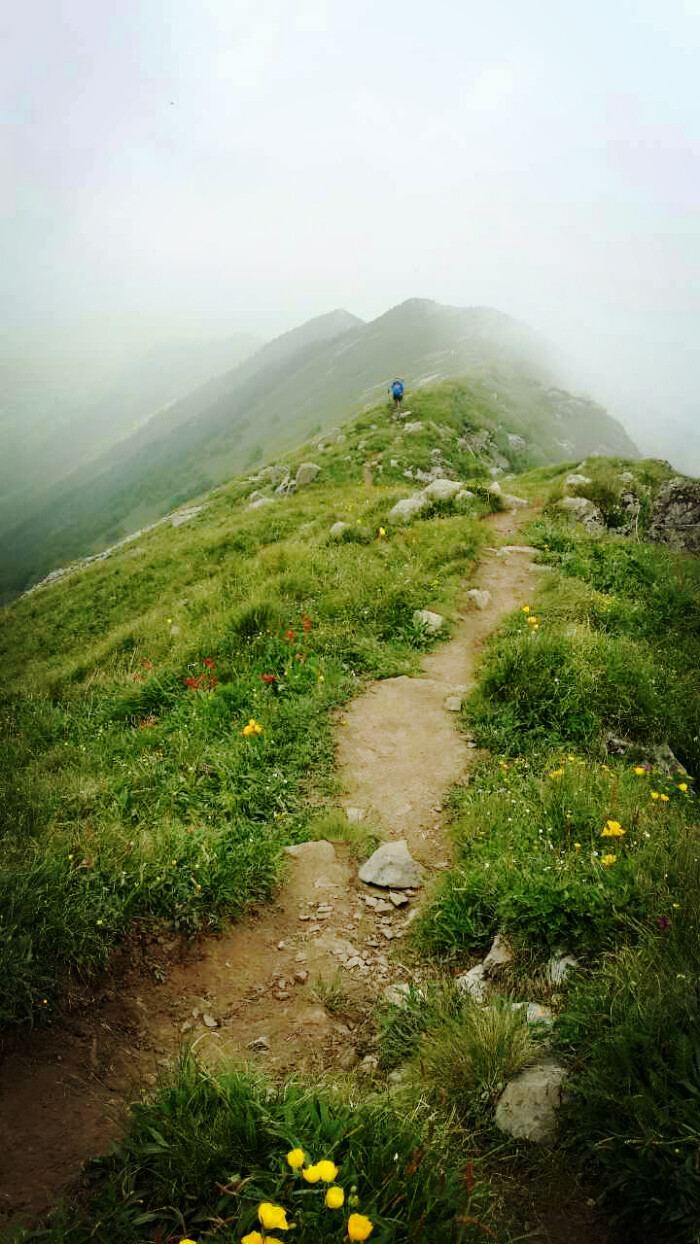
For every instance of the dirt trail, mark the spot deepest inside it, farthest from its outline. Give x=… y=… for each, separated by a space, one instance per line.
x=254 y=991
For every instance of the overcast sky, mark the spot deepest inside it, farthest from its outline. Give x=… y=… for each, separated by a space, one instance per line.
x=207 y=166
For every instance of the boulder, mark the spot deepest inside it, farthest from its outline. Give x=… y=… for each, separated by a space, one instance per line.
x=527 y=1109
x=584 y=511
x=575 y=481
x=559 y=967
x=495 y=487
x=511 y=502
x=676 y=516
x=499 y=956
x=516 y=442
x=407 y=509
x=472 y=983
x=442 y=489
x=306 y=473
x=392 y=867
x=480 y=599
x=336 y=531
x=431 y=621
x=464 y=495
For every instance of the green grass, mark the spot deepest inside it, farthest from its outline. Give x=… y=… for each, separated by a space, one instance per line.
x=125 y=791
x=200 y=1159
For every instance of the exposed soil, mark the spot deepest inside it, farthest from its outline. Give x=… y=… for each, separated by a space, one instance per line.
x=292 y=985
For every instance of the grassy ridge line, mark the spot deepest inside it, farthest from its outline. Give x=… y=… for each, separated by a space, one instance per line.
x=616 y=650
x=126 y=791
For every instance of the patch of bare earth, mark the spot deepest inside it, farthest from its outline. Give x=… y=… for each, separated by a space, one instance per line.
x=258 y=990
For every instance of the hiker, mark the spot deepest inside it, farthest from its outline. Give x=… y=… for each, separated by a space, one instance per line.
x=396 y=390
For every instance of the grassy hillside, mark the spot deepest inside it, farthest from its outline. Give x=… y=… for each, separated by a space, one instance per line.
x=306 y=382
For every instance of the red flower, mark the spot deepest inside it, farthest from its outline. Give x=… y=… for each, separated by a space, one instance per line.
x=209 y=662
x=290 y=636
x=269 y=678
x=147 y=665
x=194 y=683
x=306 y=623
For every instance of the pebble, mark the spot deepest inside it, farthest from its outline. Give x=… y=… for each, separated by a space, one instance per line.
x=397 y=899
x=260 y=1043
x=301 y=977
x=210 y=1021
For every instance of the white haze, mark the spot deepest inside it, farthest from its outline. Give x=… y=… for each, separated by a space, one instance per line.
x=216 y=166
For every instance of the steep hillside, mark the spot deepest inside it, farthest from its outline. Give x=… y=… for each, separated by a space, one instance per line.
x=305 y=382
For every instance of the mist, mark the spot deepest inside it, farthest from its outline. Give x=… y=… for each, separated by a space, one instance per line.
x=212 y=168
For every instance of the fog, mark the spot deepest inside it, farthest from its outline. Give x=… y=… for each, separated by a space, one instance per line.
x=216 y=166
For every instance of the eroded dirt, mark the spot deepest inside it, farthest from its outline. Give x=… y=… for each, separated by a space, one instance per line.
x=254 y=992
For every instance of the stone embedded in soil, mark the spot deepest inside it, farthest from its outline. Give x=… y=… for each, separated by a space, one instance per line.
x=317 y=852
x=397 y=993
x=431 y=621
x=209 y=1021
x=399 y=900
x=301 y=977
x=499 y=956
x=261 y=1044
x=480 y=599
x=391 y=867
x=559 y=966
x=538 y=1014
x=453 y=703
x=472 y=982
x=527 y=1109
x=382 y=907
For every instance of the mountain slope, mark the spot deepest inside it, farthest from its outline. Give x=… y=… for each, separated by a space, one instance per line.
x=303 y=383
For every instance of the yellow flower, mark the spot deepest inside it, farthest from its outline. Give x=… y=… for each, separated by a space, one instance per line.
x=556 y=773
x=676 y=906
x=683 y=786
x=328 y=1171
x=253 y=727
x=655 y=794
x=311 y=1174
x=382 y=531
x=296 y=1158
x=639 y=770
x=608 y=860
x=577 y=846
x=571 y=758
x=525 y=608
x=242 y=1242
x=335 y=1197
x=254 y=1237
x=663 y=798
x=532 y=620
x=272 y=1217
x=613 y=829
x=359 y=1227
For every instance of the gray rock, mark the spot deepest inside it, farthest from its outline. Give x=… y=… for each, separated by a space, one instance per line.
x=472 y=983
x=584 y=511
x=453 y=703
x=407 y=509
x=516 y=442
x=499 y=956
x=261 y=1044
x=431 y=621
x=397 y=994
x=626 y=477
x=442 y=489
x=286 y=487
x=340 y=438
x=355 y=816
x=481 y=599
x=676 y=516
x=369 y=1065
x=495 y=487
x=527 y=1109
x=513 y=503
x=575 y=481
x=348 y=1059
x=256 y=495
x=413 y=427
x=261 y=502
x=464 y=495
x=184 y=516
x=306 y=473
x=336 y=531
x=559 y=967
x=392 y=867
x=537 y=1014
x=398 y=900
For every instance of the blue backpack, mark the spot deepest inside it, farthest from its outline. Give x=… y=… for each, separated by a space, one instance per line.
x=397 y=389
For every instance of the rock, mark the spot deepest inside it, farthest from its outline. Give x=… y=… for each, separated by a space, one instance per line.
x=383 y=908
x=286 y=487
x=495 y=487
x=676 y=516
x=559 y=966
x=413 y=427
x=626 y=477
x=355 y=816
x=431 y=621
x=184 y=516
x=584 y=511
x=407 y=509
x=336 y=531
x=306 y=474
x=209 y=1021
x=261 y=501
x=397 y=994
x=442 y=489
x=516 y=442
x=313 y=853
x=174 y=631
x=527 y=1109
x=453 y=703
x=340 y=438
x=260 y=1044
x=257 y=495
x=472 y=983
x=499 y=956
x=511 y=502
x=399 y=1076
x=301 y=977
x=348 y=1059
x=339 y=947
x=369 y=1065
x=537 y=1014
x=391 y=866
x=481 y=599
x=576 y=481
x=399 y=900
x=464 y=495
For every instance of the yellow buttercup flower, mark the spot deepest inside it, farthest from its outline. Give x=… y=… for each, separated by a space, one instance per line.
x=639 y=770
x=382 y=531
x=335 y=1197
x=194 y=1241
x=272 y=1217
x=608 y=860
x=328 y=1171
x=655 y=794
x=532 y=619
x=613 y=829
x=556 y=773
x=663 y=798
x=311 y=1174
x=577 y=846
x=253 y=727
x=683 y=786
x=254 y=1237
x=525 y=608
x=296 y=1158
x=359 y=1227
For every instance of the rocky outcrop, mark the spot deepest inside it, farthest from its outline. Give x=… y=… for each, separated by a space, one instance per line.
x=306 y=473
x=676 y=516
x=584 y=511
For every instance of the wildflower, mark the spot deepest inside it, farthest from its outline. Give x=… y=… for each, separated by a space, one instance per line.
x=272 y=1217
x=608 y=860
x=663 y=798
x=328 y=1171
x=320 y=678
x=296 y=1158
x=253 y=1237
x=306 y=623
x=381 y=532
x=676 y=906
x=290 y=636
x=269 y=678
x=577 y=846
x=532 y=619
x=311 y=1174
x=613 y=829
x=247 y=1237
x=335 y=1197
x=556 y=773
x=253 y=727
x=663 y=922
x=525 y=608
x=209 y=662
x=683 y=786
x=359 y=1227
x=639 y=770
x=655 y=794
x=147 y=665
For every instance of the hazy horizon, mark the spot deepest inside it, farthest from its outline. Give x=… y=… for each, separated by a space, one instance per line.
x=242 y=168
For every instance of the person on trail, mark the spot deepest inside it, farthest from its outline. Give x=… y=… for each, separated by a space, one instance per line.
x=396 y=389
